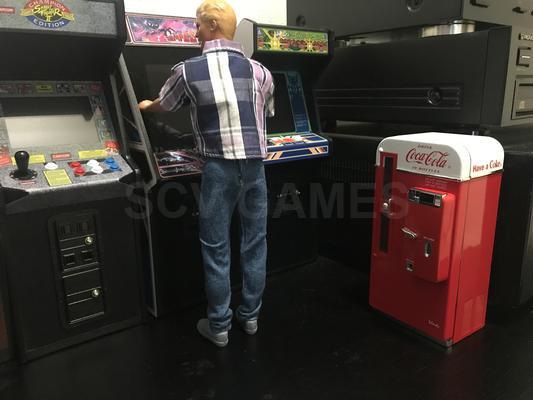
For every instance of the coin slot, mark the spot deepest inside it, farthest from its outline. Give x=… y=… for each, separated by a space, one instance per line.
x=87 y=256
x=427 y=249
x=69 y=260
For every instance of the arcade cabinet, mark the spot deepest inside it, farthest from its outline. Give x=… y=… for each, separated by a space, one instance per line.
x=296 y=57
x=162 y=145
x=455 y=66
x=5 y=339
x=68 y=241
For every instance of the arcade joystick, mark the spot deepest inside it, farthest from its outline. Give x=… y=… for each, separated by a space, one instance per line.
x=22 y=158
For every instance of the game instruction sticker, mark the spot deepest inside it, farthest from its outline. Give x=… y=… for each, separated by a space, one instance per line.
x=59 y=177
x=34 y=159
x=92 y=154
x=7 y=10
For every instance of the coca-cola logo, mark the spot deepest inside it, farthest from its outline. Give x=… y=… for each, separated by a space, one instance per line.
x=434 y=158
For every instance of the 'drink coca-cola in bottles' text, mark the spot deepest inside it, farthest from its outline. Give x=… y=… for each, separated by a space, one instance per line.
x=424 y=155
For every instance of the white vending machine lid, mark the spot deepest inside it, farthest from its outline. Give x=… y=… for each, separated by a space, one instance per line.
x=446 y=155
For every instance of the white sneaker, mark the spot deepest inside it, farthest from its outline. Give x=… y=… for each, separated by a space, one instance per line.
x=219 y=339
x=250 y=327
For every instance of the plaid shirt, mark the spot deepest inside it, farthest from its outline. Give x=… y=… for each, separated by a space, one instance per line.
x=230 y=96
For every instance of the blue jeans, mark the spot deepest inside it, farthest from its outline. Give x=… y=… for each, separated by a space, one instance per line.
x=229 y=185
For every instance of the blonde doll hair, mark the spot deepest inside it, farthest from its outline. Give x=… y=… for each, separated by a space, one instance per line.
x=221 y=12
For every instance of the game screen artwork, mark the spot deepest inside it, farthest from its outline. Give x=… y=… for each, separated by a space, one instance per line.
x=292 y=41
x=163 y=30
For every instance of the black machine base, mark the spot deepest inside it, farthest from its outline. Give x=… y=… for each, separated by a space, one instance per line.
x=73 y=274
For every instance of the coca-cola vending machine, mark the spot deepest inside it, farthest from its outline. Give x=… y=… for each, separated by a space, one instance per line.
x=436 y=203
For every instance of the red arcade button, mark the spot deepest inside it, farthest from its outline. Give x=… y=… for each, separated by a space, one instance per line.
x=75 y=164
x=79 y=171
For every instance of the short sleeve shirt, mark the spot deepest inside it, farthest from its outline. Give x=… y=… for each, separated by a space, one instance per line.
x=230 y=97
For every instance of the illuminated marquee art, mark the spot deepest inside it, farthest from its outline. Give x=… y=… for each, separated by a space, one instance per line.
x=145 y=29
x=48 y=14
x=292 y=41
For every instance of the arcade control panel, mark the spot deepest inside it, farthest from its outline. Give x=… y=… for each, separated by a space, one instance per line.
x=292 y=147
x=280 y=148
x=56 y=134
x=173 y=163
x=47 y=175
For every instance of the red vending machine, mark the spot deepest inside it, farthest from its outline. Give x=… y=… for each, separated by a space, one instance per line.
x=436 y=203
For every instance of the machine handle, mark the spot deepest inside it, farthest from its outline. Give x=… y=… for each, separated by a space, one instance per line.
x=409 y=233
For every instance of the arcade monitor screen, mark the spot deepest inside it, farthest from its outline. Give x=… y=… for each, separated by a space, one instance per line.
x=283 y=120
x=49 y=121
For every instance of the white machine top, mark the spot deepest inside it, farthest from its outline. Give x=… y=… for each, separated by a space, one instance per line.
x=445 y=155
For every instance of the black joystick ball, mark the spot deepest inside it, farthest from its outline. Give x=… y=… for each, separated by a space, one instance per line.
x=22 y=158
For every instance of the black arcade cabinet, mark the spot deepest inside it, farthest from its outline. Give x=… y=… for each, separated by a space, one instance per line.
x=6 y=350
x=162 y=146
x=68 y=241
x=296 y=57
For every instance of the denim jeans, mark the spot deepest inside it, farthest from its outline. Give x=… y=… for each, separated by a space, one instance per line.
x=228 y=186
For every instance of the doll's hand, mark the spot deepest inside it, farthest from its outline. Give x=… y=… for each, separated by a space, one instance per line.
x=145 y=104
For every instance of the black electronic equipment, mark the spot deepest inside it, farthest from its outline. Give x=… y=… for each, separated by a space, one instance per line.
x=511 y=282
x=351 y=17
x=474 y=80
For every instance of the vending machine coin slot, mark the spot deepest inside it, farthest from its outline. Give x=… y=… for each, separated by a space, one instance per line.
x=427 y=249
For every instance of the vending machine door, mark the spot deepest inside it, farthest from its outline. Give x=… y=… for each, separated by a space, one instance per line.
x=427 y=234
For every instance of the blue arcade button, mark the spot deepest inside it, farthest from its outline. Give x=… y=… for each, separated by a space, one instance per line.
x=110 y=160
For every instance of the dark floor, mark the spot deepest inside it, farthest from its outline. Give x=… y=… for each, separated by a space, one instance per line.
x=318 y=339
